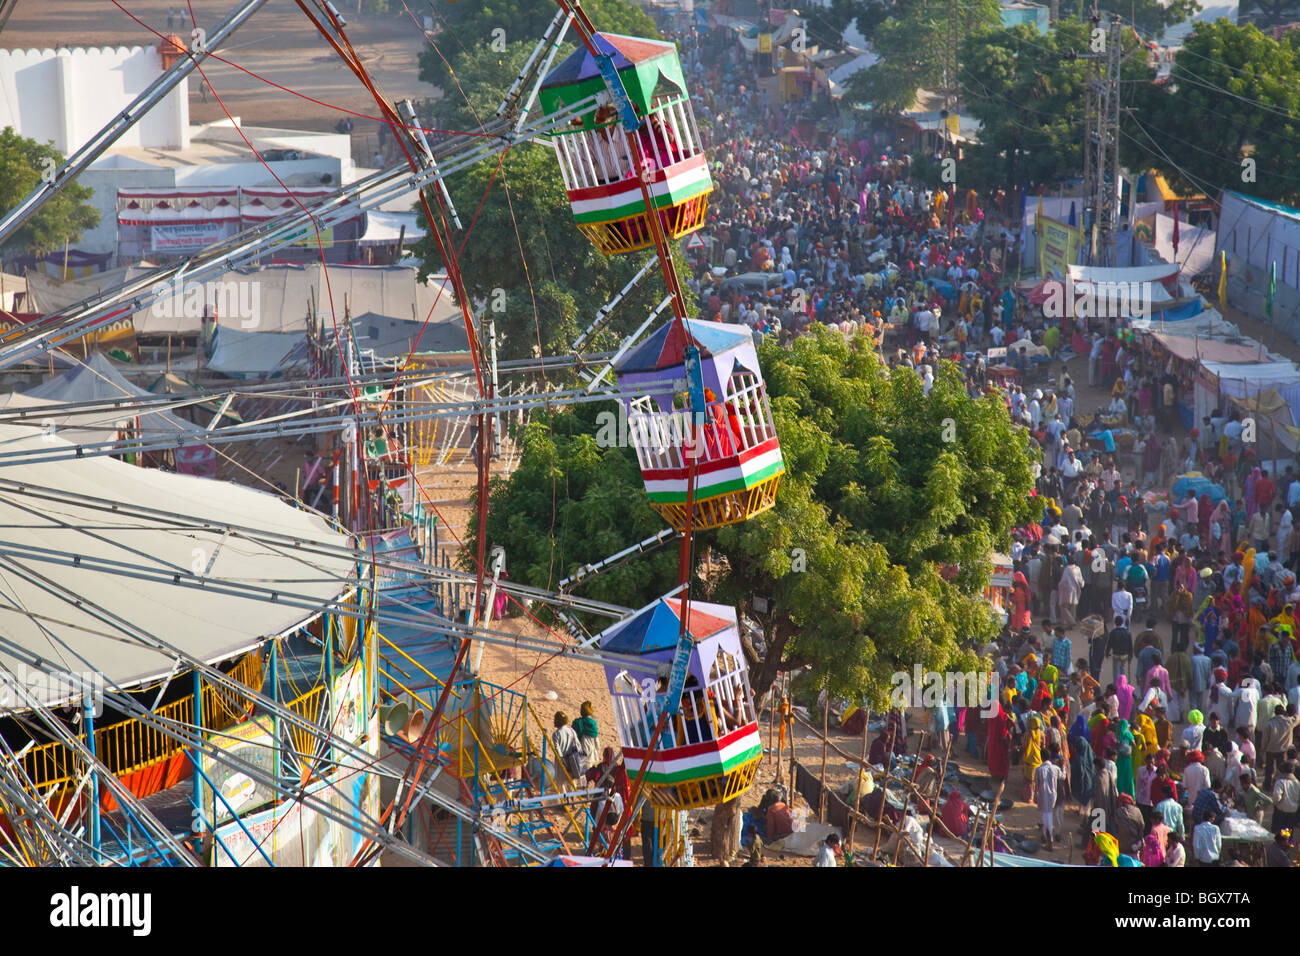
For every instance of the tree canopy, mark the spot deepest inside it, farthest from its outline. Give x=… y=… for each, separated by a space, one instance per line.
x=911 y=43
x=1152 y=17
x=468 y=28
x=61 y=218
x=1243 y=89
x=884 y=487
x=1029 y=94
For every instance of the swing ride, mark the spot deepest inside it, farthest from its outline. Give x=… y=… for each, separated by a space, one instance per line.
x=330 y=711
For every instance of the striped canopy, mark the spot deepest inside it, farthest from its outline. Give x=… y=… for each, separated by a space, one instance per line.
x=666 y=346
x=627 y=52
x=655 y=628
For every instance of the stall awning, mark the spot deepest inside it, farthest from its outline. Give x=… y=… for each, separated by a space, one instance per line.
x=1191 y=348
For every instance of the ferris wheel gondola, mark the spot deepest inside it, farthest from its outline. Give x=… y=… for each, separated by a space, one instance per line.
x=603 y=169
x=735 y=449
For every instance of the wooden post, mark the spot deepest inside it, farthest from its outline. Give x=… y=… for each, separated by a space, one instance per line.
x=984 y=841
x=934 y=805
x=907 y=797
x=970 y=839
x=789 y=722
x=771 y=721
x=826 y=725
x=780 y=739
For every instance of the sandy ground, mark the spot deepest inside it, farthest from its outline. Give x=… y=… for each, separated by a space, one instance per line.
x=278 y=45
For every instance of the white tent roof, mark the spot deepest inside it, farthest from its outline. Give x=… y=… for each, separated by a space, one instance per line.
x=281 y=297
x=1209 y=321
x=1130 y=274
x=1255 y=374
x=40 y=630
x=254 y=354
x=386 y=227
x=96 y=380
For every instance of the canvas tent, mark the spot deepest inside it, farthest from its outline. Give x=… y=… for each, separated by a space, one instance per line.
x=276 y=298
x=1208 y=321
x=96 y=380
x=1249 y=380
x=241 y=354
x=381 y=337
x=138 y=557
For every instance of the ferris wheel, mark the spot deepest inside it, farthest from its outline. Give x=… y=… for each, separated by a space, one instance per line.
x=617 y=115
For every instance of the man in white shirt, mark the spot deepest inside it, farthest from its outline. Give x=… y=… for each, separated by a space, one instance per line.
x=1232 y=431
x=1071 y=468
x=997 y=335
x=1195 y=778
x=1207 y=843
x=924 y=318
x=1247 y=709
x=1121 y=604
x=1094 y=362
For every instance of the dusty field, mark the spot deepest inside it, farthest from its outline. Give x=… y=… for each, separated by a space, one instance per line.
x=278 y=45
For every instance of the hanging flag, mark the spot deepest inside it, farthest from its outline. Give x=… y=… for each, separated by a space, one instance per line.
x=1223 y=280
x=1175 y=230
x=1272 y=288
x=1073 y=221
x=951 y=122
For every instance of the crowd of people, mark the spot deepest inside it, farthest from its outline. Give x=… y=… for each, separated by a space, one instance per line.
x=1187 y=588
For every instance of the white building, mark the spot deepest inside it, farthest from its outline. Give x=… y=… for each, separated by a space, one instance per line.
x=67 y=95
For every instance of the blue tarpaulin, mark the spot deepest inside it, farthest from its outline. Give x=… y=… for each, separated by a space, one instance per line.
x=1198 y=485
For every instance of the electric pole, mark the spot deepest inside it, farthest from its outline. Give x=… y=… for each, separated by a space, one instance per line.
x=952 y=40
x=1101 y=141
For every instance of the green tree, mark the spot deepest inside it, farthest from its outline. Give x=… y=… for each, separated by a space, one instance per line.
x=1242 y=87
x=1029 y=94
x=910 y=44
x=527 y=262
x=60 y=219
x=884 y=487
x=570 y=502
x=466 y=28
x=1153 y=17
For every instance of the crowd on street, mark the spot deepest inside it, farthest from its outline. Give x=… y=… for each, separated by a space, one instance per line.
x=1148 y=670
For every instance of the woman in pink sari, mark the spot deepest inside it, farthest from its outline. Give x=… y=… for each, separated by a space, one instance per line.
x=1254 y=476
x=1124 y=693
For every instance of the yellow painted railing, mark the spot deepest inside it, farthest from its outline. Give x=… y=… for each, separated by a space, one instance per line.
x=130 y=745
x=309 y=706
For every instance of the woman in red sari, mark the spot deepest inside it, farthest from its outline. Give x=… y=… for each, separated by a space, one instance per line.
x=999 y=746
x=1204 y=512
x=1020 y=603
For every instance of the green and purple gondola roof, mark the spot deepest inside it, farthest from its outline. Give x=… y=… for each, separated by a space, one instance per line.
x=648 y=68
